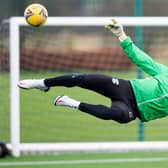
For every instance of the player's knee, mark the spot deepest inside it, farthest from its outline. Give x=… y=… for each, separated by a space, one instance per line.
x=126 y=117
x=124 y=114
x=124 y=121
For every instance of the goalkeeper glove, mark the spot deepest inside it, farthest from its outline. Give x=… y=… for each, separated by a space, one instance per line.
x=117 y=29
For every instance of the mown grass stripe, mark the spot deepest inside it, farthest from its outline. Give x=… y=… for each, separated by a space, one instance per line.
x=64 y=162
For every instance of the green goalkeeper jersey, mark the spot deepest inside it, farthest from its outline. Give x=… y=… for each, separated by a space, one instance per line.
x=151 y=93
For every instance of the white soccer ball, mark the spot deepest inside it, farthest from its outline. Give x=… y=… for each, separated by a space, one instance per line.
x=36 y=15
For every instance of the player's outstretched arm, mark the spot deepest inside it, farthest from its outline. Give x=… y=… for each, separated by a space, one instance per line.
x=136 y=55
x=117 y=29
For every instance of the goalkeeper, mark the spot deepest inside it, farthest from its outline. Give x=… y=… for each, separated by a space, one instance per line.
x=146 y=99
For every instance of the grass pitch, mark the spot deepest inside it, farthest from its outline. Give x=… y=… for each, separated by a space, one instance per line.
x=89 y=160
x=41 y=121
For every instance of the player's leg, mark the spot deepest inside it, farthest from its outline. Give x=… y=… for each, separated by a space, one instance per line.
x=114 y=88
x=69 y=80
x=119 y=111
x=108 y=86
x=102 y=84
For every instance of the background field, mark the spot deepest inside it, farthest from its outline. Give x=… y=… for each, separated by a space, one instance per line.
x=99 y=160
x=57 y=51
x=41 y=121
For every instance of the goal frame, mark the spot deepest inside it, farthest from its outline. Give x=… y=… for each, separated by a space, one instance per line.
x=15 y=145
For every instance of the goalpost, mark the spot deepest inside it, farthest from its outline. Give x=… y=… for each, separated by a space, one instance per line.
x=15 y=144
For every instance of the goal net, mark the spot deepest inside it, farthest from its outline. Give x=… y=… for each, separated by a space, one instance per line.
x=31 y=124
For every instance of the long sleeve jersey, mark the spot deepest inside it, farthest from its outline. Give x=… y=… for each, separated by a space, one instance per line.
x=151 y=93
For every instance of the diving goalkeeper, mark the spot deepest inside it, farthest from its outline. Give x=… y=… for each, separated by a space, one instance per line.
x=146 y=99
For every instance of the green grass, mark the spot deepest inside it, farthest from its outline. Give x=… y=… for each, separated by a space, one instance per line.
x=90 y=160
x=41 y=121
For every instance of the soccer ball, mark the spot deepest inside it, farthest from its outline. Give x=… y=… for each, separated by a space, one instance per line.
x=36 y=15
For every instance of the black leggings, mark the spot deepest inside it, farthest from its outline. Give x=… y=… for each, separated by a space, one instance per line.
x=123 y=109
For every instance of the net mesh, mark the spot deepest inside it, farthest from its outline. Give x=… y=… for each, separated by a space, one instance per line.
x=69 y=48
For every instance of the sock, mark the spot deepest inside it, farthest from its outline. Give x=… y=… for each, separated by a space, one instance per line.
x=76 y=104
x=73 y=103
x=40 y=82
